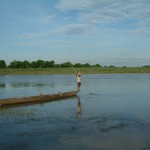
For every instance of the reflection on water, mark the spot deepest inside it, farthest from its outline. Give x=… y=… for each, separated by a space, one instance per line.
x=28 y=84
x=2 y=85
x=31 y=85
x=79 y=111
x=115 y=116
x=16 y=113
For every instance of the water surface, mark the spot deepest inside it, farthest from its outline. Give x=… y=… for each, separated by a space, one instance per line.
x=110 y=112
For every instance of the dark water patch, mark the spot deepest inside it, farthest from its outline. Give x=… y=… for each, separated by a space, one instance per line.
x=114 y=127
x=14 y=146
x=145 y=148
x=94 y=94
x=17 y=146
x=144 y=123
x=108 y=123
x=107 y=94
x=29 y=84
x=2 y=85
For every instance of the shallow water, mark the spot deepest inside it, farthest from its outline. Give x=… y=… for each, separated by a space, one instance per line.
x=110 y=112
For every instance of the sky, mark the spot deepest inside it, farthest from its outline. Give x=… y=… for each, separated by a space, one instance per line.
x=107 y=32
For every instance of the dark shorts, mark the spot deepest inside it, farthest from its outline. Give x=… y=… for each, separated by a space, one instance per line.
x=79 y=83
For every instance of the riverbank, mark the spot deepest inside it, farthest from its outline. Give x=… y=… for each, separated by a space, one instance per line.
x=90 y=70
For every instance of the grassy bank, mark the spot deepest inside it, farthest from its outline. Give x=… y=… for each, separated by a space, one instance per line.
x=93 y=70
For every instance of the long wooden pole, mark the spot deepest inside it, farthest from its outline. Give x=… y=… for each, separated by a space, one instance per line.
x=75 y=70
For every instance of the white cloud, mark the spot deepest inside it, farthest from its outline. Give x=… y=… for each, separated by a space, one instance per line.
x=32 y=36
x=32 y=39
x=109 y=11
x=117 y=11
x=65 y=5
x=141 y=30
x=51 y=16
x=74 y=29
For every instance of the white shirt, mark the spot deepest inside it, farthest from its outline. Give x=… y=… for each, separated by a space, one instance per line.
x=78 y=78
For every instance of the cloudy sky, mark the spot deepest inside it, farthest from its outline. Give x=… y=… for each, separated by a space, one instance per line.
x=108 y=32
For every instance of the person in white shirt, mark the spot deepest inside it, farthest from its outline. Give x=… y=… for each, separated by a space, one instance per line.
x=78 y=75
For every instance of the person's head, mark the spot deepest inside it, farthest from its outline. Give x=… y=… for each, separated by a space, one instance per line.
x=79 y=74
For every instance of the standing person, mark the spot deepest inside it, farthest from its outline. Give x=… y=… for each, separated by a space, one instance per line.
x=78 y=75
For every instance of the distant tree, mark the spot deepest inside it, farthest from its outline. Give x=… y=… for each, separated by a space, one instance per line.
x=66 y=65
x=25 y=64
x=33 y=64
x=46 y=64
x=15 y=64
x=3 y=64
x=12 y=64
x=57 y=66
x=124 y=66
x=77 y=65
x=111 y=66
x=97 y=65
x=50 y=63
x=86 y=65
x=147 y=66
x=40 y=63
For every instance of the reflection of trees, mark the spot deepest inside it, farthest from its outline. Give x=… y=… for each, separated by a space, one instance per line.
x=2 y=85
x=43 y=85
x=22 y=84
x=28 y=84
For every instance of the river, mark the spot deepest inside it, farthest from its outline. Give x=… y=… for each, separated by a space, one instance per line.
x=111 y=112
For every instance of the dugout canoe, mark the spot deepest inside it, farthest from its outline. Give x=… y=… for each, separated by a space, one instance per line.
x=37 y=99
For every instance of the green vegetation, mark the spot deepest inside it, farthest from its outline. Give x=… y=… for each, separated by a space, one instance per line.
x=83 y=70
x=49 y=67
x=42 y=64
x=2 y=64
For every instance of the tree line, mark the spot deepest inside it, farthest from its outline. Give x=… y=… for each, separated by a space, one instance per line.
x=48 y=64
x=42 y=64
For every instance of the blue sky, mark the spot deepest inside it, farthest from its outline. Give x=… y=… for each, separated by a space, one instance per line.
x=108 y=32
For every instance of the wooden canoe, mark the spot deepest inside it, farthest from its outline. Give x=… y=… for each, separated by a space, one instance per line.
x=37 y=99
